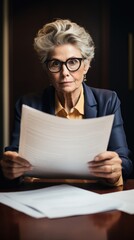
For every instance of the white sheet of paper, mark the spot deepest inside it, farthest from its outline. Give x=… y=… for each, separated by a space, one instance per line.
x=58 y=147
x=60 y=201
x=127 y=199
x=6 y=200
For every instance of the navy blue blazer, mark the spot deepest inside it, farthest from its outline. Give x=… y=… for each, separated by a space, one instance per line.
x=98 y=102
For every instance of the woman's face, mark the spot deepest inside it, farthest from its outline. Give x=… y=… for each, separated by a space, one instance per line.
x=66 y=81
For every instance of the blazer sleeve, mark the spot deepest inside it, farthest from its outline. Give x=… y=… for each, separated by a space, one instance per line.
x=118 y=141
x=14 y=146
x=35 y=100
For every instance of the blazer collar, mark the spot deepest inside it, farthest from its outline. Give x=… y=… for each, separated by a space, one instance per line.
x=90 y=107
x=49 y=100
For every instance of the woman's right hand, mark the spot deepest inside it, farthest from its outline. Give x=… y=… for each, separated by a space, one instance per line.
x=13 y=166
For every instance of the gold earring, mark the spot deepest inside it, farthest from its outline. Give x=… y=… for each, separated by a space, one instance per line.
x=84 y=79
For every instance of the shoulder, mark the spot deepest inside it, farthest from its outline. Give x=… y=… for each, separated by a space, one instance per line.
x=105 y=101
x=101 y=94
x=100 y=91
x=36 y=99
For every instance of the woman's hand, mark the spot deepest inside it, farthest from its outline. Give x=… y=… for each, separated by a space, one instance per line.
x=107 y=166
x=13 y=166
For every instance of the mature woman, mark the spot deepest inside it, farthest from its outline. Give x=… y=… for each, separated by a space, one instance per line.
x=66 y=51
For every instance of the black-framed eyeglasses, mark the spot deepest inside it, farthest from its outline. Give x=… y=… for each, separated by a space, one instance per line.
x=55 y=65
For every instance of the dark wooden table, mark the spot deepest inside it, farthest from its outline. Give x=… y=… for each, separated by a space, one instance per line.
x=112 y=225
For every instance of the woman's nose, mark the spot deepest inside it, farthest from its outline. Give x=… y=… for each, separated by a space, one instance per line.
x=64 y=69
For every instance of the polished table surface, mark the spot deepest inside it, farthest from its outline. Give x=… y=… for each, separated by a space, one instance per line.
x=112 y=225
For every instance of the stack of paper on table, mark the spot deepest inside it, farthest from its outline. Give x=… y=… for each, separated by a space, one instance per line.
x=57 y=201
x=66 y=200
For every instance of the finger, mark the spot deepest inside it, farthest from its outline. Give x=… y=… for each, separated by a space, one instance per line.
x=14 y=173
x=113 y=161
x=106 y=168
x=107 y=172
x=106 y=175
x=11 y=164
x=14 y=157
x=105 y=155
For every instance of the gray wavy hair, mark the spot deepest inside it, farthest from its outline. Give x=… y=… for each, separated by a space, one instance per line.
x=63 y=31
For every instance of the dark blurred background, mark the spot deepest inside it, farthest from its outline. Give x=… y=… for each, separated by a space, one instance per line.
x=111 y=25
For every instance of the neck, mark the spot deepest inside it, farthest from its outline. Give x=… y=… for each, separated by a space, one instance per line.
x=69 y=100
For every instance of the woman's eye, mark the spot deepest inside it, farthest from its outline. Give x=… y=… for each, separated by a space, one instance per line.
x=56 y=63
x=73 y=62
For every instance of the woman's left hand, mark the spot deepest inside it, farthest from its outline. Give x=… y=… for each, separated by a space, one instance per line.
x=107 y=166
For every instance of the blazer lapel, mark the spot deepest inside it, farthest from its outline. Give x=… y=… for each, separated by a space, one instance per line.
x=90 y=106
x=49 y=100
